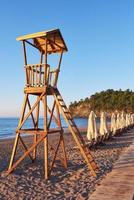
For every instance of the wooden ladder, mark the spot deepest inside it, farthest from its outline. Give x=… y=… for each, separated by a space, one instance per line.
x=75 y=132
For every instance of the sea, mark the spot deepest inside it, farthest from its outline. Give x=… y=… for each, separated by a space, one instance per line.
x=9 y=125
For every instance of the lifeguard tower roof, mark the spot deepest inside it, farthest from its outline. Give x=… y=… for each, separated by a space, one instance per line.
x=55 y=41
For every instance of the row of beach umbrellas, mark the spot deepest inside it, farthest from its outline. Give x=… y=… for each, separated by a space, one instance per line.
x=118 y=122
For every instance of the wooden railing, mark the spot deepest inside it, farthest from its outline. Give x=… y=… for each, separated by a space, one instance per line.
x=38 y=75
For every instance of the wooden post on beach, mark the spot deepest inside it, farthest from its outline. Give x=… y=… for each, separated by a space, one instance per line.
x=41 y=82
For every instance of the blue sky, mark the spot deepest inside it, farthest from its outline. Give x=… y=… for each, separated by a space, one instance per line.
x=100 y=39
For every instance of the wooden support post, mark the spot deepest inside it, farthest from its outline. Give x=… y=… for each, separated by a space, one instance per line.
x=61 y=137
x=36 y=127
x=45 y=74
x=46 y=156
x=25 y=62
x=45 y=118
x=46 y=138
x=60 y=60
x=14 y=150
x=57 y=71
x=40 y=68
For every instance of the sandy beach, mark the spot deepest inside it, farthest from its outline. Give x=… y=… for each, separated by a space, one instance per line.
x=75 y=182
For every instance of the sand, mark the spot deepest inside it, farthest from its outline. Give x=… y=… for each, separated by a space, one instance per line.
x=75 y=182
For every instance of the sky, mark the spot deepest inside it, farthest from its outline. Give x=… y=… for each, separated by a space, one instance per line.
x=99 y=35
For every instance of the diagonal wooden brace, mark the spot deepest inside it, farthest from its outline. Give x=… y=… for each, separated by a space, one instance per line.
x=26 y=154
x=53 y=161
x=29 y=113
x=25 y=147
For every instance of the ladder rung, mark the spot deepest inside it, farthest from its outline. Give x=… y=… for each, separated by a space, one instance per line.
x=70 y=118
x=66 y=112
x=83 y=146
x=60 y=99
x=93 y=164
x=64 y=106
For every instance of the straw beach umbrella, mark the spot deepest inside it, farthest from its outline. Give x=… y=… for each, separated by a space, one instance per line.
x=118 y=121
x=103 y=124
x=127 y=120
x=132 y=119
x=113 y=123
x=122 y=121
x=92 y=127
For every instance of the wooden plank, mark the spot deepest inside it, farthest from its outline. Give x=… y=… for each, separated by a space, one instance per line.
x=25 y=61
x=40 y=69
x=14 y=151
x=38 y=131
x=45 y=118
x=38 y=34
x=36 y=65
x=45 y=58
x=46 y=138
x=119 y=183
x=33 y=90
x=36 y=127
x=60 y=47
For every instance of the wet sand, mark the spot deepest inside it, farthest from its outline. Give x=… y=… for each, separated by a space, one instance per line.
x=75 y=182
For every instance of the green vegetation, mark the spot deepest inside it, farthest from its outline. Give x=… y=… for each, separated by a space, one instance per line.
x=109 y=100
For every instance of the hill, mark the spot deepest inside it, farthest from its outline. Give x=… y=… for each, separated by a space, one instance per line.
x=109 y=101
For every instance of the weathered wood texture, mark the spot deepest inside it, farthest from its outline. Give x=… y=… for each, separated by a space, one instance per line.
x=118 y=184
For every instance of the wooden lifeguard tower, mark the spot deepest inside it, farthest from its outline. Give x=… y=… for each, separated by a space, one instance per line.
x=41 y=82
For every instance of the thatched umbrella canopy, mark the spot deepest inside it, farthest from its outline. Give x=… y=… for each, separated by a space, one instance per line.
x=118 y=121
x=127 y=120
x=132 y=119
x=103 y=124
x=113 y=123
x=92 y=127
x=122 y=120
